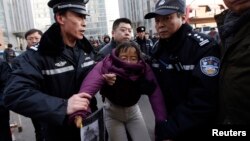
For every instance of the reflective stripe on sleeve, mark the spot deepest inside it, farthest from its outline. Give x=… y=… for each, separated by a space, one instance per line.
x=57 y=71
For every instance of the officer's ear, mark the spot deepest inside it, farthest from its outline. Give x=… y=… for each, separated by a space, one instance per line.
x=60 y=17
x=183 y=18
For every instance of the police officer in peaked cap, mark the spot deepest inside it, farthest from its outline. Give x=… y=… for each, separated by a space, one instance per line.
x=141 y=29
x=77 y=6
x=45 y=82
x=186 y=64
x=146 y=45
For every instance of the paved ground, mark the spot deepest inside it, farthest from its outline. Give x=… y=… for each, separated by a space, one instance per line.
x=25 y=132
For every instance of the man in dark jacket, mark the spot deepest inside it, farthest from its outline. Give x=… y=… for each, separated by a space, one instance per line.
x=186 y=64
x=146 y=45
x=45 y=81
x=5 y=134
x=234 y=29
x=121 y=31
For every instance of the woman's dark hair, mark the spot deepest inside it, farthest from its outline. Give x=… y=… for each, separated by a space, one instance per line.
x=128 y=44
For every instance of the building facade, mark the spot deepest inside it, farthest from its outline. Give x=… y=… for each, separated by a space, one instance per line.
x=135 y=11
x=97 y=21
x=18 y=16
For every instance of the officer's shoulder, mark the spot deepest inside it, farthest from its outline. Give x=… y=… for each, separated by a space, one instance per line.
x=201 y=39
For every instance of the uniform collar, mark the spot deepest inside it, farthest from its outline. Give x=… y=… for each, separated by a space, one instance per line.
x=52 y=44
x=173 y=44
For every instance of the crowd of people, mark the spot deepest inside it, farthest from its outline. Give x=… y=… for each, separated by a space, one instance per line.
x=194 y=82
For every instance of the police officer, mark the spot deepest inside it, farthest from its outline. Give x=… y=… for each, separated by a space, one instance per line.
x=146 y=45
x=5 y=134
x=45 y=81
x=186 y=64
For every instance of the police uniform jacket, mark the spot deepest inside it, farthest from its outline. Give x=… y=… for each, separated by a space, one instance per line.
x=146 y=45
x=45 y=78
x=235 y=66
x=186 y=66
x=4 y=113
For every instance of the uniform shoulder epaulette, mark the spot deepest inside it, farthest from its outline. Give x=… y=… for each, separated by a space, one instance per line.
x=34 y=47
x=201 y=39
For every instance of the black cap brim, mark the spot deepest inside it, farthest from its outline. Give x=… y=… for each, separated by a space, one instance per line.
x=160 y=12
x=80 y=11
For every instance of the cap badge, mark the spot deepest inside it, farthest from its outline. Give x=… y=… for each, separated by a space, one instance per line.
x=161 y=2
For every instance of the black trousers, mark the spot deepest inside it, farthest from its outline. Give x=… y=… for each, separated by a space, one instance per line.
x=5 y=134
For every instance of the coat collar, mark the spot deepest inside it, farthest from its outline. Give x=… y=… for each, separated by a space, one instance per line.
x=52 y=43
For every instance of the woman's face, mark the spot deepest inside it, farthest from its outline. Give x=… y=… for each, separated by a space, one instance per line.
x=129 y=56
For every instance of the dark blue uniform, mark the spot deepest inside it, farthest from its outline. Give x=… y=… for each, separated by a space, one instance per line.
x=5 y=134
x=187 y=66
x=43 y=80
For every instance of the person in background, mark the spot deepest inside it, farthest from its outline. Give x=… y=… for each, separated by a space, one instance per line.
x=5 y=134
x=100 y=40
x=134 y=78
x=146 y=45
x=45 y=82
x=234 y=30
x=33 y=37
x=9 y=54
x=121 y=32
x=106 y=40
x=155 y=38
x=214 y=34
x=186 y=64
x=147 y=36
x=95 y=45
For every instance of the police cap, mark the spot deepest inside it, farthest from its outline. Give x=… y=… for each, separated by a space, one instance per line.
x=141 y=29
x=77 y=6
x=166 y=7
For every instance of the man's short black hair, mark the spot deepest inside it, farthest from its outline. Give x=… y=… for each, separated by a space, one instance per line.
x=9 y=45
x=120 y=20
x=31 y=31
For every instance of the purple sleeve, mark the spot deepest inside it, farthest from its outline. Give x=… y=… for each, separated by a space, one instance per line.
x=91 y=85
x=93 y=81
x=156 y=99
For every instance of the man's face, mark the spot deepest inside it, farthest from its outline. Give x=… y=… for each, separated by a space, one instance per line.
x=33 y=39
x=141 y=35
x=237 y=6
x=167 y=25
x=72 y=25
x=122 y=32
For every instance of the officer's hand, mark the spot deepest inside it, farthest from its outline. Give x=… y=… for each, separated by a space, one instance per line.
x=78 y=102
x=110 y=78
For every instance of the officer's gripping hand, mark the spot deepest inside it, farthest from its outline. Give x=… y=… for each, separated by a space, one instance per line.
x=78 y=102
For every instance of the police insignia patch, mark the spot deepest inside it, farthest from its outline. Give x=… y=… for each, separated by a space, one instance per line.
x=210 y=65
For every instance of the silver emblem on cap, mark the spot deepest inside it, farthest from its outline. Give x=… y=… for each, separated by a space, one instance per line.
x=161 y=2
